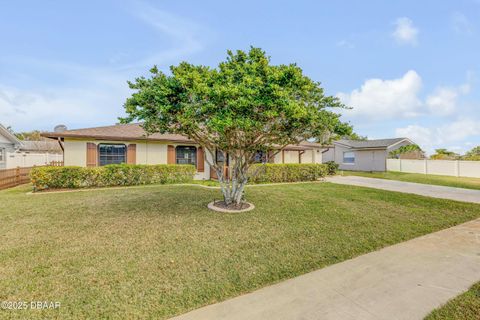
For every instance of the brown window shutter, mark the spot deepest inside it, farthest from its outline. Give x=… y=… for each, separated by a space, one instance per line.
x=271 y=157
x=200 y=160
x=91 y=154
x=132 y=154
x=171 y=155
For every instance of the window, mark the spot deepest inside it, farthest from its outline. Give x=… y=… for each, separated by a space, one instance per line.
x=112 y=153
x=2 y=154
x=349 y=157
x=220 y=158
x=186 y=155
x=260 y=157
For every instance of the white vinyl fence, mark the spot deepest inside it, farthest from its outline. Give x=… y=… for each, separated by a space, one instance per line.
x=454 y=168
x=23 y=159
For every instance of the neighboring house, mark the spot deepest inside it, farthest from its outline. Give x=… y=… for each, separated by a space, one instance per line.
x=16 y=153
x=364 y=155
x=128 y=143
x=8 y=144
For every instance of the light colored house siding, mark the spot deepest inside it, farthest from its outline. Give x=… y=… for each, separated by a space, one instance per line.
x=75 y=153
x=365 y=160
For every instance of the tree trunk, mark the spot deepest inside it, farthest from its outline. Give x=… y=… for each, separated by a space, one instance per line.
x=233 y=185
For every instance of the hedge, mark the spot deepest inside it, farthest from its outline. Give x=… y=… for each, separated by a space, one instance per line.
x=109 y=175
x=271 y=173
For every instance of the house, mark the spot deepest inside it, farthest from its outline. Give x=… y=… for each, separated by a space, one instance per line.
x=364 y=155
x=129 y=143
x=16 y=153
x=8 y=144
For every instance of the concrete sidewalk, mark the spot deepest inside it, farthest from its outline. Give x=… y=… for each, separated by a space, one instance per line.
x=403 y=281
x=458 y=194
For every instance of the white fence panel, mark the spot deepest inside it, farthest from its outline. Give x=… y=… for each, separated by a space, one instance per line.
x=442 y=167
x=453 y=168
x=393 y=165
x=469 y=169
x=20 y=159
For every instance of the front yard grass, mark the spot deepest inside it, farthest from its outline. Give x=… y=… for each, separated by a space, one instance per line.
x=464 y=307
x=156 y=251
x=458 y=182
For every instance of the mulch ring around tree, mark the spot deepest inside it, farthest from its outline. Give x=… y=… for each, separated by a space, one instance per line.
x=221 y=206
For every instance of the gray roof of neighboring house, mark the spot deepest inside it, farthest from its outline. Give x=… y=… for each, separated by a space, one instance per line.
x=379 y=143
x=41 y=146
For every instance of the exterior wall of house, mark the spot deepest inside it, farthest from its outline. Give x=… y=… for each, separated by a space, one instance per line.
x=146 y=153
x=365 y=160
x=156 y=153
x=6 y=146
x=328 y=154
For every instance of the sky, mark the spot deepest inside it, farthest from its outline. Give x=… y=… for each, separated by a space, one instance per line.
x=406 y=68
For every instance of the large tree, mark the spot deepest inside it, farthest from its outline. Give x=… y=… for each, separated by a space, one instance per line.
x=243 y=106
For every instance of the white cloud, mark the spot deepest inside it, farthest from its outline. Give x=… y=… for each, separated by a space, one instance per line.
x=405 y=32
x=430 y=138
x=345 y=44
x=461 y=24
x=384 y=99
x=400 y=98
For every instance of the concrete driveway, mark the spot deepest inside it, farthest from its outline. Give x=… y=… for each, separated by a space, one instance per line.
x=403 y=281
x=458 y=194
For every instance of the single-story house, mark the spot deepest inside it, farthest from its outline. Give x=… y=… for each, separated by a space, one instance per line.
x=8 y=144
x=17 y=153
x=363 y=155
x=129 y=143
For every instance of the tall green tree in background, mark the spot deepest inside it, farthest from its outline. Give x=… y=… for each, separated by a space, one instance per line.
x=473 y=154
x=243 y=106
x=443 y=154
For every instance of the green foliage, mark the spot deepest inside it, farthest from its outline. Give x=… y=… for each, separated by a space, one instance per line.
x=332 y=167
x=344 y=130
x=444 y=154
x=110 y=175
x=472 y=155
x=405 y=149
x=292 y=172
x=34 y=135
x=243 y=106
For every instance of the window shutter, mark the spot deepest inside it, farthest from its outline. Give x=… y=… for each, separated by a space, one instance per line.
x=200 y=160
x=271 y=157
x=91 y=154
x=171 y=155
x=132 y=154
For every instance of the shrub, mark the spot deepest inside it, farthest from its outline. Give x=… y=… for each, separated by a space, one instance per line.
x=332 y=167
x=261 y=173
x=110 y=175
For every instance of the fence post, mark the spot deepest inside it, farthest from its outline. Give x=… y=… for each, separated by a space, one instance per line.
x=17 y=175
x=425 y=166
x=457 y=168
x=400 y=164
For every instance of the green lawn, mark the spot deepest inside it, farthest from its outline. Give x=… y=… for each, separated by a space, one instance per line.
x=156 y=251
x=460 y=182
x=464 y=307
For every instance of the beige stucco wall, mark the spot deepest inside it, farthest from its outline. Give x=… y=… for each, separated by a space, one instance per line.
x=75 y=153
x=147 y=153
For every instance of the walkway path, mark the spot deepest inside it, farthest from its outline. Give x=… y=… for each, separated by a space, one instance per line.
x=403 y=281
x=459 y=194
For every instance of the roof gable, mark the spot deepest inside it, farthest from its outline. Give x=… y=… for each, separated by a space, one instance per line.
x=369 y=144
x=8 y=136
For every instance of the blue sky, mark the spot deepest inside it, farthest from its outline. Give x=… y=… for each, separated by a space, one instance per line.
x=408 y=68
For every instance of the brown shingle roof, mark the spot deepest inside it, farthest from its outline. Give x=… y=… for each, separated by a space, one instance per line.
x=133 y=131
